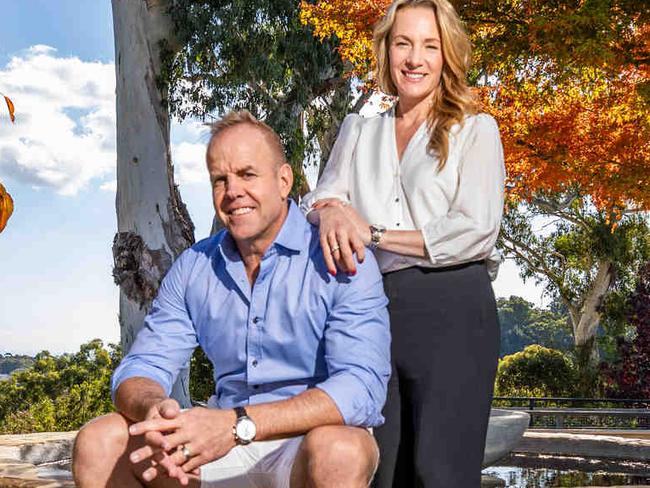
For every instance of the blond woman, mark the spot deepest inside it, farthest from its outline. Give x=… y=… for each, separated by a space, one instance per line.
x=422 y=186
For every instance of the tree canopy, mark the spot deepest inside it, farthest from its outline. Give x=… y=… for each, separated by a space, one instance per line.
x=523 y=324
x=258 y=56
x=59 y=393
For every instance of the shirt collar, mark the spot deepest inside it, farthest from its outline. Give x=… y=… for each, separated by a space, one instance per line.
x=292 y=235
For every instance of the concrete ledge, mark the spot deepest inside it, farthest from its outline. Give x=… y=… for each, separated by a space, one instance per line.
x=628 y=433
x=599 y=446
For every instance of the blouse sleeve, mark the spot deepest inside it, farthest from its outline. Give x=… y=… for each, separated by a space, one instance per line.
x=469 y=230
x=335 y=180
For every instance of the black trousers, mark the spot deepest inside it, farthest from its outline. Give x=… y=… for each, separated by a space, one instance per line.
x=445 y=347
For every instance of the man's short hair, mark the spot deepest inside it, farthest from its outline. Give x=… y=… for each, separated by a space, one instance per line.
x=237 y=117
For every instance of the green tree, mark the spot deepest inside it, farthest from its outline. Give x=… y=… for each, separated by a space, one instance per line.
x=586 y=262
x=258 y=56
x=59 y=393
x=536 y=371
x=523 y=324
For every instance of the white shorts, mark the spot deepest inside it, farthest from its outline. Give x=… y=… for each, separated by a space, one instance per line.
x=262 y=464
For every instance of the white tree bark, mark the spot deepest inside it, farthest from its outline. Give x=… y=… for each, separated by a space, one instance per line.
x=585 y=328
x=153 y=224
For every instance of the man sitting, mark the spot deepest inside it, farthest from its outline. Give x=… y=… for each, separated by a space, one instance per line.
x=301 y=358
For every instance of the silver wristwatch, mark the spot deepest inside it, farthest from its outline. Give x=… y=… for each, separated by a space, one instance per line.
x=244 y=429
x=376 y=233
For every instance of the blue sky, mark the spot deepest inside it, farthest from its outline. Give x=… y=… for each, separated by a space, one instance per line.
x=58 y=163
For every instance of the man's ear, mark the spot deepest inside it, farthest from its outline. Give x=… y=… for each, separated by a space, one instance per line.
x=285 y=173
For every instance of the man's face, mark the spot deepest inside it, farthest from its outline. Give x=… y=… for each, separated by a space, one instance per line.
x=249 y=187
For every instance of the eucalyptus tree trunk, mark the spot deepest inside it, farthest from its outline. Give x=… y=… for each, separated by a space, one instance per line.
x=153 y=226
x=585 y=320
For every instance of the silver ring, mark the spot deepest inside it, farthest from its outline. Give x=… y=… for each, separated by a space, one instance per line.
x=186 y=452
x=334 y=249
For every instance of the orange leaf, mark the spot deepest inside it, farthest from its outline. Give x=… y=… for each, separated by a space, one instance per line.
x=6 y=207
x=10 y=106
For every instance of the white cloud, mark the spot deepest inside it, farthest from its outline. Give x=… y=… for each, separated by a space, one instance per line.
x=64 y=135
x=189 y=163
x=109 y=186
x=189 y=142
x=509 y=283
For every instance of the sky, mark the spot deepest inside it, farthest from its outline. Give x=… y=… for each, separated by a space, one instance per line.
x=58 y=163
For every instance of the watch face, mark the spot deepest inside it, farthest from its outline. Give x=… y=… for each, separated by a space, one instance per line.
x=245 y=429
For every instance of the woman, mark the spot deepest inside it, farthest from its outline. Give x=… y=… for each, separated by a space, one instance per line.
x=422 y=184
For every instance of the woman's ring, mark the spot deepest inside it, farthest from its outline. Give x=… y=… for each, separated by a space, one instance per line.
x=334 y=249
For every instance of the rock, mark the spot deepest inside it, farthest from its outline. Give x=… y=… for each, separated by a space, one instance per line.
x=45 y=447
x=19 y=455
x=10 y=482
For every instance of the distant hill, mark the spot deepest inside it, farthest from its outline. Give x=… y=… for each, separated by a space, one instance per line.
x=10 y=362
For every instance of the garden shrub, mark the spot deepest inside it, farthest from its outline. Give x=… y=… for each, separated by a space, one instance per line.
x=536 y=371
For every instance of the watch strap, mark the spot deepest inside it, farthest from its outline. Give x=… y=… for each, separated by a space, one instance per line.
x=240 y=412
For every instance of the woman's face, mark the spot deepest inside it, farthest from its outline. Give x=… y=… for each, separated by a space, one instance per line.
x=415 y=54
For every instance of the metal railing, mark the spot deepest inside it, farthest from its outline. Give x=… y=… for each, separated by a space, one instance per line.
x=598 y=413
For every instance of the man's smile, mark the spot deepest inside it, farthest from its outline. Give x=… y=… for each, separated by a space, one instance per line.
x=240 y=211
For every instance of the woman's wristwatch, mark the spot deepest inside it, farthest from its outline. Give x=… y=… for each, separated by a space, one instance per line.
x=376 y=233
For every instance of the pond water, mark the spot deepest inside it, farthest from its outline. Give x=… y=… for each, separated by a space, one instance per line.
x=546 y=478
x=542 y=472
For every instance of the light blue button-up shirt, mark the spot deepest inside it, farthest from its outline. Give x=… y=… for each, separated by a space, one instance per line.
x=297 y=327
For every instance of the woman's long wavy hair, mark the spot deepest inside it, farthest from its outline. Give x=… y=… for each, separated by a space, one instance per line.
x=453 y=98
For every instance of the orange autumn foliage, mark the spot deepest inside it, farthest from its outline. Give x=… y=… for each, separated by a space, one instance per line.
x=6 y=202
x=572 y=106
x=589 y=135
x=351 y=22
x=6 y=207
x=11 y=108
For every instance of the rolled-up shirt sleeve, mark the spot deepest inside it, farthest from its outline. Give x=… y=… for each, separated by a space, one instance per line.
x=165 y=343
x=357 y=348
x=470 y=228
x=334 y=182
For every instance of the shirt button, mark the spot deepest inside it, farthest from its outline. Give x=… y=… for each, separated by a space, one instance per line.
x=397 y=199
x=397 y=224
x=256 y=320
x=254 y=363
x=256 y=387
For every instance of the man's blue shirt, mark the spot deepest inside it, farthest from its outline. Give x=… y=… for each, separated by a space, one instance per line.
x=297 y=327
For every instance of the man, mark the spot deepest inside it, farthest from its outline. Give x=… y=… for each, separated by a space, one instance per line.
x=301 y=358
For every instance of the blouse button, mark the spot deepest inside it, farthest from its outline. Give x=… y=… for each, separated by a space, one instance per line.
x=397 y=200
x=397 y=224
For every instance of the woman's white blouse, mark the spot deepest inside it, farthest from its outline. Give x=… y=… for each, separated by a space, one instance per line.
x=458 y=210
